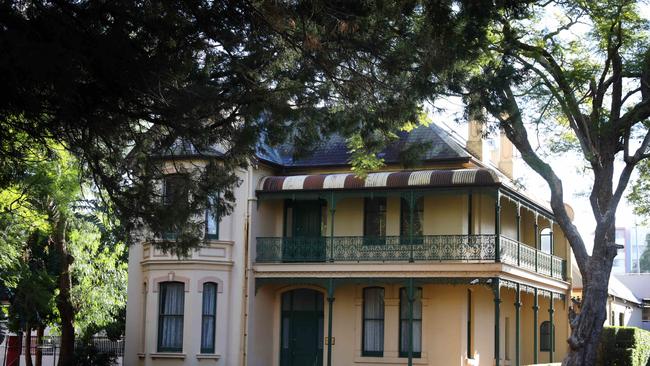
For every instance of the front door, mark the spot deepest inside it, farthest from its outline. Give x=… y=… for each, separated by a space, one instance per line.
x=302 y=328
x=306 y=243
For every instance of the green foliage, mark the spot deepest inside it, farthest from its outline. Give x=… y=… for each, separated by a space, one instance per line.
x=644 y=261
x=624 y=346
x=639 y=195
x=99 y=275
x=87 y=354
x=51 y=187
x=114 y=82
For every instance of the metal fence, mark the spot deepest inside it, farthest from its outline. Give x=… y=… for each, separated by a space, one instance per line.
x=13 y=354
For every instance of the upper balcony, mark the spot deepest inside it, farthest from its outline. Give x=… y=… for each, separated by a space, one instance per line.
x=465 y=220
x=427 y=249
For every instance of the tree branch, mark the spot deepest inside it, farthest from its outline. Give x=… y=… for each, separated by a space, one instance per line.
x=509 y=116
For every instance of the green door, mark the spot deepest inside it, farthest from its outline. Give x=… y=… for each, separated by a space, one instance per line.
x=306 y=243
x=302 y=328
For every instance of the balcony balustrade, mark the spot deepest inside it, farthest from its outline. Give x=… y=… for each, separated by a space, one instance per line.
x=428 y=248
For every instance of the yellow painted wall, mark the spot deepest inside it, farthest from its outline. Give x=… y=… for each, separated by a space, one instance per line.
x=348 y=218
x=444 y=338
x=445 y=214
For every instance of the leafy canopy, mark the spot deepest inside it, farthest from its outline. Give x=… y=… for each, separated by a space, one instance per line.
x=115 y=81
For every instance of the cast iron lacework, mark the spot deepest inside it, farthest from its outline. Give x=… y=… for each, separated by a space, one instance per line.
x=431 y=248
x=524 y=256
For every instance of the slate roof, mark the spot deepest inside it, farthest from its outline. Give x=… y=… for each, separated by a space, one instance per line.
x=434 y=143
x=438 y=146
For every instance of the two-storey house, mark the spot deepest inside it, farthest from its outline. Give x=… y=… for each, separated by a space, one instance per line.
x=445 y=263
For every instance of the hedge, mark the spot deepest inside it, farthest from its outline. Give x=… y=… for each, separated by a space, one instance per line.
x=624 y=346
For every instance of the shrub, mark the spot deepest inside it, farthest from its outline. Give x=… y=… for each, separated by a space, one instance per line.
x=624 y=346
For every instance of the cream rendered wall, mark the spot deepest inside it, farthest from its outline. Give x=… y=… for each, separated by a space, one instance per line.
x=527 y=227
x=445 y=214
x=484 y=213
x=228 y=271
x=261 y=331
x=348 y=218
x=508 y=218
x=445 y=324
x=631 y=313
x=393 y=207
x=134 y=308
x=192 y=314
x=273 y=213
x=444 y=337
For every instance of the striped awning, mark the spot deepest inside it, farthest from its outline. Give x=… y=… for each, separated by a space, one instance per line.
x=402 y=179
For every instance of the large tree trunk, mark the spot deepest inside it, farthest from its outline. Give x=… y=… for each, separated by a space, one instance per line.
x=39 y=342
x=28 y=344
x=587 y=326
x=63 y=300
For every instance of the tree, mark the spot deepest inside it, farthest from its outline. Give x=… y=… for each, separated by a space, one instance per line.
x=113 y=82
x=72 y=264
x=644 y=261
x=577 y=68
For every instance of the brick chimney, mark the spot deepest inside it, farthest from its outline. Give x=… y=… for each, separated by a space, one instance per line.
x=505 y=155
x=475 y=138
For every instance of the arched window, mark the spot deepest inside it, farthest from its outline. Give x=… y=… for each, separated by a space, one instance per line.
x=546 y=337
x=170 y=316
x=373 y=322
x=208 y=317
x=546 y=241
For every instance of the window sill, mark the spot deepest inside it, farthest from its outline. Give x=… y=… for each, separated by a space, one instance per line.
x=390 y=360
x=208 y=356
x=172 y=355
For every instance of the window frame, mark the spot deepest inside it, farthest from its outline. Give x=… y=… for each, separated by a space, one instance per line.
x=161 y=292
x=416 y=290
x=213 y=316
x=217 y=218
x=183 y=179
x=382 y=218
x=365 y=353
x=550 y=336
x=418 y=214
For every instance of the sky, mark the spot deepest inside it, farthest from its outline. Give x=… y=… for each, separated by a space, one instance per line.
x=576 y=183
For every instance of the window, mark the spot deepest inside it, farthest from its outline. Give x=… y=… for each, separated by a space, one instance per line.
x=404 y=322
x=170 y=318
x=175 y=198
x=208 y=317
x=373 y=322
x=374 y=218
x=175 y=191
x=546 y=337
x=212 y=218
x=418 y=215
x=546 y=241
x=621 y=319
x=645 y=311
x=611 y=318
